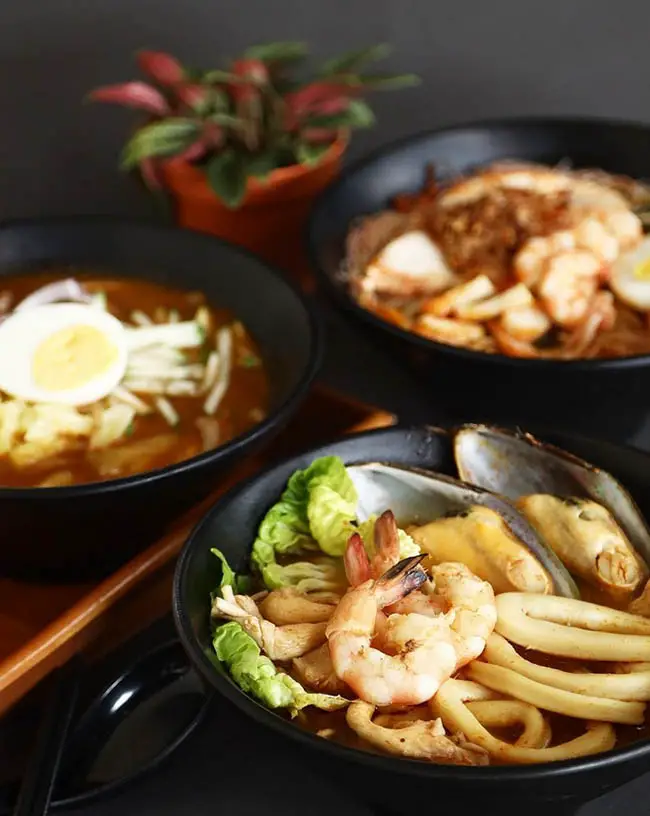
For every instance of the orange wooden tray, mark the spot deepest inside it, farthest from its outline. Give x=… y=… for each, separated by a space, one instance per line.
x=42 y=626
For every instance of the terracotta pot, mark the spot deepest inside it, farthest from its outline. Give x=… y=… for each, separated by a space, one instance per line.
x=271 y=219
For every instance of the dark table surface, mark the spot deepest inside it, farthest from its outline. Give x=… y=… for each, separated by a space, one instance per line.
x=231 y=766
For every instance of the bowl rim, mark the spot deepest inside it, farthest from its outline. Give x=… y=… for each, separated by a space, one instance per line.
x=277 y=417
x=340 y=292
x=224 y=684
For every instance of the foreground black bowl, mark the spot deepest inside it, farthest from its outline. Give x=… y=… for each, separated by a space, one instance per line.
x=393 y=785
x=521 y=389
x=78 y=533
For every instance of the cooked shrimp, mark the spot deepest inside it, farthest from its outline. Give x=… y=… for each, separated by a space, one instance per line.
x=472 y=603
x=408 y=678
x=277 y=642
x=360 y=568
x=568 y=285
x=529 y=262
x=422 y=739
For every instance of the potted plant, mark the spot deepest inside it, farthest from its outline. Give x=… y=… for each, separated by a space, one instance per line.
x=244 y=151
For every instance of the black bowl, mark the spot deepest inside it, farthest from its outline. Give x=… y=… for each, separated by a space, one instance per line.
x=390 y=784
x=522 y=390
x=84 y=532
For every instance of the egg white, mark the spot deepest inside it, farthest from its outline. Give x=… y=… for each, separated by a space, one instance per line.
x=23 y=332
x=625 y=284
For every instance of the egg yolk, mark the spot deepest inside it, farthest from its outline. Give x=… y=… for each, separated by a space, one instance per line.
x=642 y=270
x=72 y=357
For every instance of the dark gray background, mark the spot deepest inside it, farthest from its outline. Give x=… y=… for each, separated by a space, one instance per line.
x=477 y=58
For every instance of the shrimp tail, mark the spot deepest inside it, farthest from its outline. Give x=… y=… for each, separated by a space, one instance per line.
x=356 y=561
x=386 y=537
x=400 y=580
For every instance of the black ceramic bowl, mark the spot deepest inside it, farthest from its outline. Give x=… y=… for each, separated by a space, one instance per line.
x=522 y=388
x=83 y=532
x=390 y=784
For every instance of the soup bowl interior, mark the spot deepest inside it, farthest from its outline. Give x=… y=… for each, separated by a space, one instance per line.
x=78 y=532
x=401 y=167
x=392 y=784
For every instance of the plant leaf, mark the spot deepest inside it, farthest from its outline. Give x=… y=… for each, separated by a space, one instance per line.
x=165 y=138
x=137 y=95
x=311 y=154
x=277 y=52
x=261 y=165
x=161 y=67
x=226 y=174
x=352 y=60
x=225 y=76
x=358 y=114
x=226 y=120
x=380 y=81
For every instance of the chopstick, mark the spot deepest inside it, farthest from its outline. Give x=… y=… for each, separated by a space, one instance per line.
x=40 y=776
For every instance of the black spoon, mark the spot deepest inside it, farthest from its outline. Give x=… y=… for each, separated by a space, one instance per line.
x=38 y=782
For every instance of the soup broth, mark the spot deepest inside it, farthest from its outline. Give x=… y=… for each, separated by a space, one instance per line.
x=166 y=427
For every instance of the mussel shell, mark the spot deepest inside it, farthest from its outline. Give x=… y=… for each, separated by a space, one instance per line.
x=420 y=496
x=515 y=464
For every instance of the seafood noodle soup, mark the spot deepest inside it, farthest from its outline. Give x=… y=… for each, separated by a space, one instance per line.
x=501 y=617
x=519 y=259
x=104 y=377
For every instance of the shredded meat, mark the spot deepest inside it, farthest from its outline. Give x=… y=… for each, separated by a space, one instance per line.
x=482 y=236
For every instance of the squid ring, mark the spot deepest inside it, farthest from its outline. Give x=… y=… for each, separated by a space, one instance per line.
x=423 y=739
x=506 y=713
x=620 y=686
x=457 y=717
x=570 y=628
x=568 y=703
x=492 y=712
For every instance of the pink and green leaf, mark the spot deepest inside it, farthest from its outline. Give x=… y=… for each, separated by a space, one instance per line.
x=161 y=67
x=169 y=137
x=136 y=95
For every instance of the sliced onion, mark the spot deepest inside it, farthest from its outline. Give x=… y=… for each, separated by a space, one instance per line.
x=68 y=290
x=123 y=394
x=210 y=432
x=138 y=317
x=167 y=410
x=222 y=382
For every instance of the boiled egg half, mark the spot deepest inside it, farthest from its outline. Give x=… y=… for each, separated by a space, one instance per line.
x=66 y=353
x=630 y=277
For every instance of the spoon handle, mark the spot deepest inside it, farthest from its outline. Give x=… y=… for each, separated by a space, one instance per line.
x=40 y=775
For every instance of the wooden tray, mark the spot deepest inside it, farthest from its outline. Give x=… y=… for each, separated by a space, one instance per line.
x=42 y=626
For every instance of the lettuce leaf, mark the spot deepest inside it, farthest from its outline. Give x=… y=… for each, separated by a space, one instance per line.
x=256 y=675
x=317 y=509
x=239 y=583
x=332 y=519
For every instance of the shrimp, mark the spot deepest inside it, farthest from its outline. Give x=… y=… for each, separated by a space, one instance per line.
x=413 y=675
x=436 y=633
x=359 y=568
x=528 y=264
x=568 y=285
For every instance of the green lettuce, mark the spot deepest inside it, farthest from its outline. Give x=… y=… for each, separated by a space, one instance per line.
x=256 y=675
x=317 y=510
x=239 y=583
